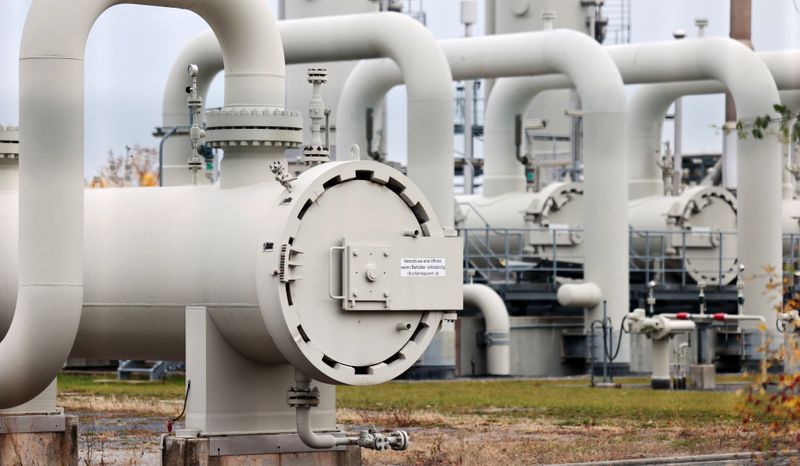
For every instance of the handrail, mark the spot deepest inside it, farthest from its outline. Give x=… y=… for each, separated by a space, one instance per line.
x=502 y=255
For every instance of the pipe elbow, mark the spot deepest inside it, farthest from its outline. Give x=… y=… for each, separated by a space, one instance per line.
x=307 y=435
x=591 y=68
x=415 y=49
x=203 y=50
x=39 y=341
x=491 y=306
x=754 y=91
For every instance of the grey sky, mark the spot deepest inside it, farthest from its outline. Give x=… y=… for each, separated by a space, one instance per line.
x=131 y=49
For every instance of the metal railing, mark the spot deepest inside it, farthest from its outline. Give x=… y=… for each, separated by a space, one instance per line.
x=505 y=256
x=618 y=13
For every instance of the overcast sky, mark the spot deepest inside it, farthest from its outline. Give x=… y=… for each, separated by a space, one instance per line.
x=131 y=49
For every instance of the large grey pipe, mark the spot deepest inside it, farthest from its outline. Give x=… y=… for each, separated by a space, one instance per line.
x=50 y=292
x=350 y=37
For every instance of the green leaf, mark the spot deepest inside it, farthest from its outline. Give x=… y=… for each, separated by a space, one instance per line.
x=780 y=108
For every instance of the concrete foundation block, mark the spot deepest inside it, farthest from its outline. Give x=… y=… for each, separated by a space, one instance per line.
x=252 y=450
x=703 y=377
x=38 y=439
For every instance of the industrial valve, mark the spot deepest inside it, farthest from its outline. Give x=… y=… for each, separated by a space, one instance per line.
x=196 y=161
x=665 y=163
x=740 y=289
x=660 y=329
x=651 y=298
x=315 y=153
x=282 y=174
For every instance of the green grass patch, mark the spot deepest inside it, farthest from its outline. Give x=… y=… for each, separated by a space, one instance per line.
x=106 y=385
x=570 y=404
x=564 y=401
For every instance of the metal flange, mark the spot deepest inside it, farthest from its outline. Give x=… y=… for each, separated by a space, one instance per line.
x=317 y=75
x=242 y=127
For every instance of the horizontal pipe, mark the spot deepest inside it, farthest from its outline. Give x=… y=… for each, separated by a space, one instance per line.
x=579 y=295
x=599 y=85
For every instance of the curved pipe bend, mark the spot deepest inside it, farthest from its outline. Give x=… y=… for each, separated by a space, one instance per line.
x=498 y=326
x=397 y=440
x=759 y=162
x=50 y=292
x=599 y=84
x=649 y=104
x=397 y=37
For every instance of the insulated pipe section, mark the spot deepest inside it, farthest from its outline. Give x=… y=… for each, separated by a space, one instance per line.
x=649 y=104
x=421 y=63
x=425 y=72
x=600 y=87
x=50 y=292
x=759 y=162
x=584 y=295
x=784 y=66
x=646 y=110
x=506 y=103
x=498 y=326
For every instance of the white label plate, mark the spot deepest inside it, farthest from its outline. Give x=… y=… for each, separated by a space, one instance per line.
x=423 y=267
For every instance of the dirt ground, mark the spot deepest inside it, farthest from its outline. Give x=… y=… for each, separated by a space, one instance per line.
x=120 y=438
x=461 y=422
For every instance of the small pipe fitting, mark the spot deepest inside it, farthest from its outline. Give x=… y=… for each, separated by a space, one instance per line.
x=303 y=397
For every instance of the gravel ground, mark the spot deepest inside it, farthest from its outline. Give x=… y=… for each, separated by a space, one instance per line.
x=492 y=438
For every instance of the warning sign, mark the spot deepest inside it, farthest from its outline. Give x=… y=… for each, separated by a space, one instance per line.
x=423 y=267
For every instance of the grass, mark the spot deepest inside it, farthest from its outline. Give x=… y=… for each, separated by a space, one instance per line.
x=106 y=385
x=567 y=404
x=565 y=401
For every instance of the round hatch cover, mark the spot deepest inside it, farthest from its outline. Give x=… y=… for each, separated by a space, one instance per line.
x=300 y=283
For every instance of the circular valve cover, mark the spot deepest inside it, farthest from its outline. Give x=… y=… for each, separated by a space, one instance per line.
x=300 y=273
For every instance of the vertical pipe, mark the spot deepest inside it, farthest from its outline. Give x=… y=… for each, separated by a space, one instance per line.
x=740 y=29
x=50 y=291
x=469 y=10
x=660 y=378
x=677 y=153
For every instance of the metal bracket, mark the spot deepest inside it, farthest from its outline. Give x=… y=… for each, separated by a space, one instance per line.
x=287 y=265
x=486 y=339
